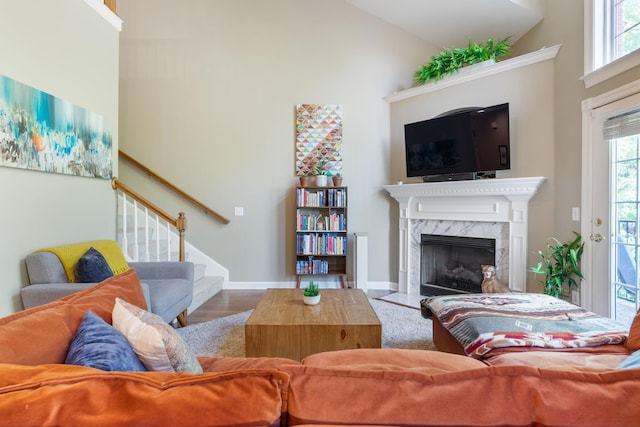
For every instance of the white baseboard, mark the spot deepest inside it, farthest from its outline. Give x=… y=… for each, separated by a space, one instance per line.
x=386 y=286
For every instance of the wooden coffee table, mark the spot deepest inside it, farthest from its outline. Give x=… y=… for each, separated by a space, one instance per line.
x=283 y=326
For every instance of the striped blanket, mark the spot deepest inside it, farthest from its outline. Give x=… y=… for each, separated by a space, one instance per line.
x=484 y=322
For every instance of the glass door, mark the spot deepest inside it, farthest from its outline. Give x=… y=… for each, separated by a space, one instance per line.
x=625 y=196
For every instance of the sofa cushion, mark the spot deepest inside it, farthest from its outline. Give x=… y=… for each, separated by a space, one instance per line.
x=42 y=334
x=156 y=343
x=101 y=298
x=559 y=359
x=92 y=267
x=79 y=396
x=99 y=345
x=425 y=361
x=70 y=254
x=226 y=364
x=495 y=395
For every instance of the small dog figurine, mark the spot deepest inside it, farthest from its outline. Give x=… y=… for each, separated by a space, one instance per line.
x=491 y=284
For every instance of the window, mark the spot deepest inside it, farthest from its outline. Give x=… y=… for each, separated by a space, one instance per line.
x=612 y=38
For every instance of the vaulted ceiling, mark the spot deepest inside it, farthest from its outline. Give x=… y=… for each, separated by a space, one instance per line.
x=452 y=23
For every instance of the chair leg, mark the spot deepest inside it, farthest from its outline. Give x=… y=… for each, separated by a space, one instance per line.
x=182 y=318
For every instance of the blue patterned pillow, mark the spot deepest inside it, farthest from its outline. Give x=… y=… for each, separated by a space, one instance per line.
x=92 y=267
x=99 y=345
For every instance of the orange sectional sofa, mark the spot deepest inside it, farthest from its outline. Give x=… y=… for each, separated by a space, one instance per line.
x=350 y=387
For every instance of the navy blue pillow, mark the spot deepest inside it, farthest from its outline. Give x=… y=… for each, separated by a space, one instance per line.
x=92 y=267
x=99 y=345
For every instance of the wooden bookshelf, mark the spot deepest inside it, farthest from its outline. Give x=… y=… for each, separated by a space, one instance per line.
x=321 y=232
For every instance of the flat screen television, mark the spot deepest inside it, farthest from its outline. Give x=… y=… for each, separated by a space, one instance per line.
x=464 y=144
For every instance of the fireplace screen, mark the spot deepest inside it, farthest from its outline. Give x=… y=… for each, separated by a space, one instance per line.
x=452 y=264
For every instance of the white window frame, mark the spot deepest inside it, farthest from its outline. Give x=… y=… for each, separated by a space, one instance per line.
x=593 y=46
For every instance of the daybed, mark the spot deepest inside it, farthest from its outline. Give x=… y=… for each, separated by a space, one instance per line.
x=352 y=387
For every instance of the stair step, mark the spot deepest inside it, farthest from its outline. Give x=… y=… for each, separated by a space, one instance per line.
x=204 y=289
x=198 y=271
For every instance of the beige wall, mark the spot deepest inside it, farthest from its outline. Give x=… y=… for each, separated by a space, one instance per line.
x=563 y=24
x=65 y=48
x=208 y=92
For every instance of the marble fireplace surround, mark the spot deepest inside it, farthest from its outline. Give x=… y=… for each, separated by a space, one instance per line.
x=489 y=208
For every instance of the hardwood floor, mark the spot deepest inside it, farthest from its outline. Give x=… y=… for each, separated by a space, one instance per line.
x=228 y=302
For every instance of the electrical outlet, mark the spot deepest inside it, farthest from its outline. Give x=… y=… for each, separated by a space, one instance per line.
x=575 y=214
x=239 y=211
x=575 y=297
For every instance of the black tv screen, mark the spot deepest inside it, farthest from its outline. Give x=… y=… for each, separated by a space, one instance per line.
x=464 y=142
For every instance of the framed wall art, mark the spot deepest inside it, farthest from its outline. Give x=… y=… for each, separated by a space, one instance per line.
x=318 y=138
x=41 y=132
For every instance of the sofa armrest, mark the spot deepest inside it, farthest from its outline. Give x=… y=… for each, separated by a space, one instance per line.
x=164 y=270
x=44 y=293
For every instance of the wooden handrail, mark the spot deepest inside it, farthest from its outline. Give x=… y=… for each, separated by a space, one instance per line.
x=179 y=223
x=111 y=4
x=149 y=172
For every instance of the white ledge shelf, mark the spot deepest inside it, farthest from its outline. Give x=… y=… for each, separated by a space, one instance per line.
x=464 y=76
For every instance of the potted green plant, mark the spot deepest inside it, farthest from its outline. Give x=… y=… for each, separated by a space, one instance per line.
x=449 y=61
x=560 y=263
x=311 y=294
x=319 y=170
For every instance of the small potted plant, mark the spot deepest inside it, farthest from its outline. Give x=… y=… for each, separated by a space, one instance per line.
x=319 y=170
x=337 y=179
x=305 y=180
x=560 y=263
x=311 y=294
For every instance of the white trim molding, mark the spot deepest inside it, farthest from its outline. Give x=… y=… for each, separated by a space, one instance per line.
x=466 y=75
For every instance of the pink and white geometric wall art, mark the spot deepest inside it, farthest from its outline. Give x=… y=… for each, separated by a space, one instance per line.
x=318 y=138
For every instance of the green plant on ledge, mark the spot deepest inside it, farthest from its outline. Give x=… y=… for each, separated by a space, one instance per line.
x=312 y=290
x=449 y=61
x=560 y=263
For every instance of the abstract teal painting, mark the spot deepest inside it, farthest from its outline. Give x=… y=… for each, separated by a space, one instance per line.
x=41 y=132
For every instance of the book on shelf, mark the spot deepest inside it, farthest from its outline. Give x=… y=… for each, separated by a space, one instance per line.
x=313 y=221
x=329 y=197
x=312 y=266
x=320 y=244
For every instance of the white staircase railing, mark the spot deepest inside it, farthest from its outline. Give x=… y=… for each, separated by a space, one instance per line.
x=146 y=236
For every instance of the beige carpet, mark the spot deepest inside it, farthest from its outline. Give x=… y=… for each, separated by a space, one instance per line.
x=402 y=327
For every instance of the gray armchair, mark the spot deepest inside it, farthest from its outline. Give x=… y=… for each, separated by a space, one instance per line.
x=167 y=286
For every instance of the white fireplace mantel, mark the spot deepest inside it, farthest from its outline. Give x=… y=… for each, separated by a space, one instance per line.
x=501 y=200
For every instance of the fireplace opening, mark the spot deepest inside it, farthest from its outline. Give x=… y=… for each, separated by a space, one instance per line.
x=452 y=264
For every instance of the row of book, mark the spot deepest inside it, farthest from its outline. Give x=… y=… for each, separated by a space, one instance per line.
x=321 y=244
x=325 y=197
x=315 y=266
x=315 y=222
